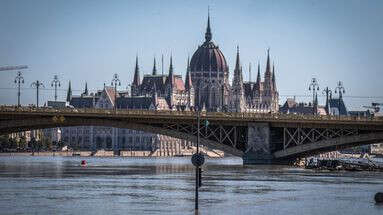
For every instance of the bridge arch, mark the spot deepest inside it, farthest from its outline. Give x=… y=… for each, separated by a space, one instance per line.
x=19 y=125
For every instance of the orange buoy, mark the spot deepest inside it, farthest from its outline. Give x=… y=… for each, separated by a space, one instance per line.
x=83 y=163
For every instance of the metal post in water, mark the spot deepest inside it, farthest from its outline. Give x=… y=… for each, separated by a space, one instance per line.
x=197 y=160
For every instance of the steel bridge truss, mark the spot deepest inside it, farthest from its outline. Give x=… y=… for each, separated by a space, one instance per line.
x=233 y=136
x=299 y=136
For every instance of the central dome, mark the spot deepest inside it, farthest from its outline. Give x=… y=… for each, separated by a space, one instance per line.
x=208 y=57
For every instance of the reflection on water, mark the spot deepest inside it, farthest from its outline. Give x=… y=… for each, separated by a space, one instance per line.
x=60 y=185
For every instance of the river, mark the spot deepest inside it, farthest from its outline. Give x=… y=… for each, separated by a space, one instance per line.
x=60 y=185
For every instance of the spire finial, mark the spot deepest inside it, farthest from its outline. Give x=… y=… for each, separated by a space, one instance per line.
x=208 y=34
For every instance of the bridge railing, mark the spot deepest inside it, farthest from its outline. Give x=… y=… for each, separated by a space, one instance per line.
x=211 y=115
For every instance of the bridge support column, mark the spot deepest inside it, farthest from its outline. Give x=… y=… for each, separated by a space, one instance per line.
x=259 y=147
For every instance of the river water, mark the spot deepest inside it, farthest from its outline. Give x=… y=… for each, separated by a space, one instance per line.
x=60 y=185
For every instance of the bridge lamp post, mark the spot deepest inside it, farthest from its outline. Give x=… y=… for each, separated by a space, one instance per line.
x=37 y=84
x=56 y=83
x=115 y=81
x=328 y=94
x=339 y=89
x=314 y=86
x=19 y=80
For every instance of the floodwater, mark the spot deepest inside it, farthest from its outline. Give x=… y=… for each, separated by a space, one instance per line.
x=60 y=185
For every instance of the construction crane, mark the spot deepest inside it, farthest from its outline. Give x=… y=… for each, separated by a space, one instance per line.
x=374 y=106
x=6 y=68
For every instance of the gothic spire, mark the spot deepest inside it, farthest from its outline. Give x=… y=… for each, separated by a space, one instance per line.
x=237 y=89
x=154 y=72
x=136 y=78
x=188 y=82
x=259 y=74
x=268 y=71
x=237 y=62
x=208 y=35
x=273 y=77
x=238 y=70
x=171 y=75
x=86 y=92
x=69 y=93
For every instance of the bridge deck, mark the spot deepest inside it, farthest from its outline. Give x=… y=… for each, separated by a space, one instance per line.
x=275 y=120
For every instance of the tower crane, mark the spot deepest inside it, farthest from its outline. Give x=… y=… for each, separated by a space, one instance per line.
x=6 y=68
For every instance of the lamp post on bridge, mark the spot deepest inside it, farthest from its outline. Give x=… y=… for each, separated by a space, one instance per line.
x=328 y=94
x=339 y=89
x=56 y=83
x=19 y=80
x=115 y=81
x=37 y=84
x=314 y=86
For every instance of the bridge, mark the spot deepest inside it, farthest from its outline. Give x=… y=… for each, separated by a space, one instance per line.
x=257 y=138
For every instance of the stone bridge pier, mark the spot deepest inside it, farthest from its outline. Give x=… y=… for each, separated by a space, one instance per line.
x=260 y=145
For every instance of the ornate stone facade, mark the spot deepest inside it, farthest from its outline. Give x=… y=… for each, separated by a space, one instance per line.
x=210 y=75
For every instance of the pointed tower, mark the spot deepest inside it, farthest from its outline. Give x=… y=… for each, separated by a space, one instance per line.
x=86 y=92
x=238 y=100
x=257 y=87
x=208 y=34
x=170 y=85
x=268 y=84
x=69 y=93
x=274 y=86
x=189 y=87
x=136 y=80
x=154 y=72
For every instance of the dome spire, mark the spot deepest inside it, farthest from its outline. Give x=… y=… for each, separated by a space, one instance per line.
x=208 y=34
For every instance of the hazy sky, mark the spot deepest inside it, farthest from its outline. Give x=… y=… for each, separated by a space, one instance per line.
x=89 y=40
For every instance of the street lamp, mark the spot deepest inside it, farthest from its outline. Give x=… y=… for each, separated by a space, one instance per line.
x=19 y=80
x=314 y=86
x=115 y=81
x=55 y=83
x=37 y=84
x=339 y=89
x=328 y=94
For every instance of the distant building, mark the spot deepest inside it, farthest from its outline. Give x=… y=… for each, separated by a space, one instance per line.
x=292 y=107
x=109 y=138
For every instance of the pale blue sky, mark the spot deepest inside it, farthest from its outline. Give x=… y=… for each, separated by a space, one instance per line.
x=89 y=40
